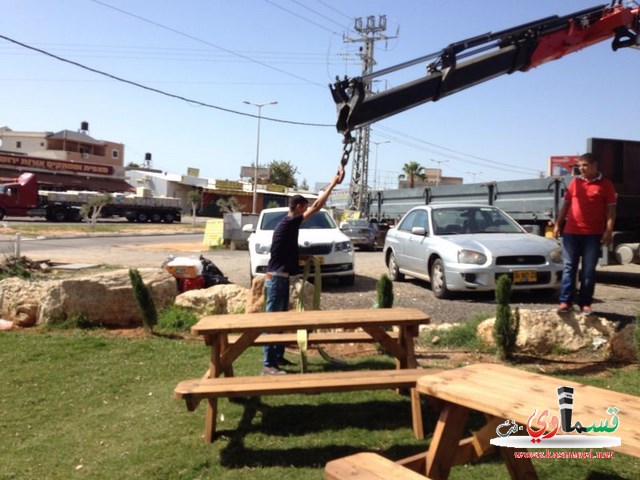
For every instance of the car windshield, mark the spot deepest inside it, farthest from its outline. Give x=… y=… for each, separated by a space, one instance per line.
x=463 y=220
x=317 y=221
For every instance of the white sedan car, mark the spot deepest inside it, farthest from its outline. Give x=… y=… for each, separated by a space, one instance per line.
x=467 y=247
x=319 y=236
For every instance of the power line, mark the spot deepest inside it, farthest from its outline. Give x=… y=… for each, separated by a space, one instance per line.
x=317 y=13
x=301 y=17
x=177 y=54
x=155 y=90
x=335 y=10
x=197 y=39
x=475 y=157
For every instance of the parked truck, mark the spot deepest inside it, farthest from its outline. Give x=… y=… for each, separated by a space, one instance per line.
x=22 y=198
x=461 y=65
x=535 y=203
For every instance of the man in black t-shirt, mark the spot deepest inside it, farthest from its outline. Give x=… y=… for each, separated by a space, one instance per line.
x=284 y=263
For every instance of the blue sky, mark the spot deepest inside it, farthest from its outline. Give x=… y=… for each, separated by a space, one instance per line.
x=223 y=52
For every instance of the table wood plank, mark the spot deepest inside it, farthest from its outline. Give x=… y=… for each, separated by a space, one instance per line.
x=367 y=466
x=308 y=319
x=514 y=394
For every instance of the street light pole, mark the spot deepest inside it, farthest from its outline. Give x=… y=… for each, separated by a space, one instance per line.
x=255 y=168
x=438 y=178
x=375 y=165
x=473 y=175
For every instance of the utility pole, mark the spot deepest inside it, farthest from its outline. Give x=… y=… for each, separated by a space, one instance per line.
x=473 y=175
x=370 y=30
x=439 y=176
x=375 y=165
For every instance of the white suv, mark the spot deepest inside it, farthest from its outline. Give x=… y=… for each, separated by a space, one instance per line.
x=319 y=236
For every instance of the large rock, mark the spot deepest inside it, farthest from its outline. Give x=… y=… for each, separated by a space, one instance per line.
x=622 y=346
x=102 y=299
x=214 y=300
x=20 y=300
x=543 y=331
x=255 y=295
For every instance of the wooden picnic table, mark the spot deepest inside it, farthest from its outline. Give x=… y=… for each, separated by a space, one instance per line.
x=377 y=323
x=504 y=393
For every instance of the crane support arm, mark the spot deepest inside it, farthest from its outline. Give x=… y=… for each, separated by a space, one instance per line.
x=463 y=64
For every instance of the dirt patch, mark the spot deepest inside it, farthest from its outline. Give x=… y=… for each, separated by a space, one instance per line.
x=190 y=247
x=587 y=362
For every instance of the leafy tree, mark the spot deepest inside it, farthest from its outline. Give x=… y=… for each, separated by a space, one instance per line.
x=411 y=171
x=228 y=204
x=283 y=173
x=194 y=196
x=133 y=165
x=304 y=185
x=91 y=210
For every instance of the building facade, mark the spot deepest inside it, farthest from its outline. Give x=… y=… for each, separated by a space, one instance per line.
x=64 y=160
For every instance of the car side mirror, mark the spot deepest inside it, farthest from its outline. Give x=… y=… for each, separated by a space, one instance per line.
x=248 y=228
x=419 y=231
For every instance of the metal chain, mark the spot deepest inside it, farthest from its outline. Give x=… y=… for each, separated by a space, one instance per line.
x=348 y=142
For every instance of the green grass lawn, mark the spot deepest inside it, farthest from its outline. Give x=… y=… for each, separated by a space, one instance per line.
x=84 y=404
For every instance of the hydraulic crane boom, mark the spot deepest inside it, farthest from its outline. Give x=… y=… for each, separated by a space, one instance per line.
x=474 y=60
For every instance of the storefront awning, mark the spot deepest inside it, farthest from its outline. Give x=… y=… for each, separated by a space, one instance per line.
x=72 y=182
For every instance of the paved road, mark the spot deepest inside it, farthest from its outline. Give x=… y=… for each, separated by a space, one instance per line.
x=617 y=293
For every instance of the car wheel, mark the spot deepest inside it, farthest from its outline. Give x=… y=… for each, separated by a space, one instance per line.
x=394 y=271
x=438 y=280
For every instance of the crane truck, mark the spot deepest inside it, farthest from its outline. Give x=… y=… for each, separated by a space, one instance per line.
x=21 y=198
x=534 y=203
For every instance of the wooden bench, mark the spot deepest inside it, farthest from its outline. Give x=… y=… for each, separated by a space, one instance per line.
x=368 y=466
x=195 y=390
x=313 y=338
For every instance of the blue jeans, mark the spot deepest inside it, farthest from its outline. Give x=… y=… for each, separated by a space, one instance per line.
x=574 y=248
x=277 y=301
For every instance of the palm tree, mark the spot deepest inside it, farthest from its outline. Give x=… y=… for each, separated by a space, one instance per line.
x=412 y=170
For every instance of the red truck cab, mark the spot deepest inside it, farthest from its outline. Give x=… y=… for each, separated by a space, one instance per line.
x=19 y=196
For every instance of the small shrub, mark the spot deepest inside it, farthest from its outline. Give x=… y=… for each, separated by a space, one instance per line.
x=144 y=299
x=177 y=318
x=505 y=328
x=460 y=336
x=637 y=335
x=384 y=292
x=15 y=267
x=75 y=321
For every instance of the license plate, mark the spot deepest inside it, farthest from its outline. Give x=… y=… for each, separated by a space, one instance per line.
x=525 y=276
x=302 y=260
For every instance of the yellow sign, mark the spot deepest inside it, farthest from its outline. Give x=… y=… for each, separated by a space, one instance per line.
x=213 y=233
x=228 y=185
x=276 y=188
x=350 y=215
x=193 y=172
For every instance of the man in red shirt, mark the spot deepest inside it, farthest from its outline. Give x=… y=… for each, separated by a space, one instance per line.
x=590 y=211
